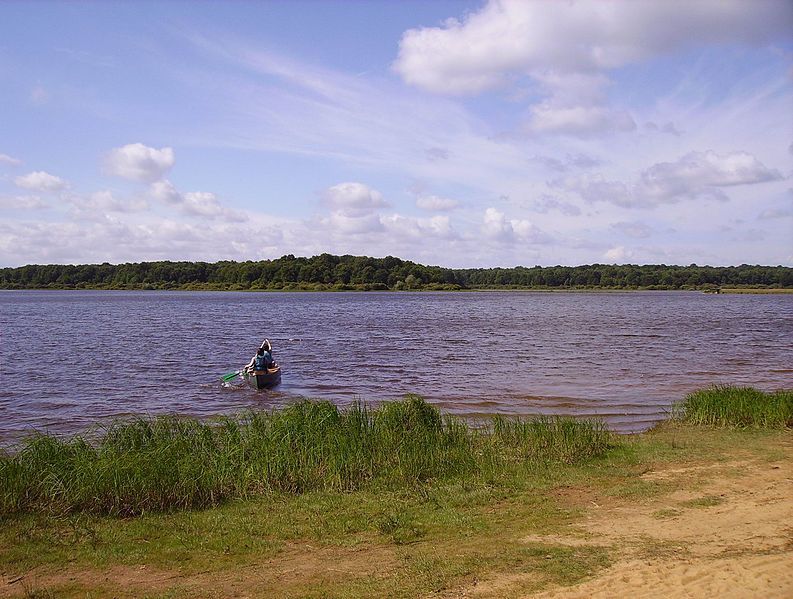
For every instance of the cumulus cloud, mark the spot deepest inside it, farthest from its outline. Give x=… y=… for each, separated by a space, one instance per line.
x=566 y=49
x=201 y=204
x=353 y=199
x=436 y=203
x=497 y=227
x=117 y=241
x=164 y=191
x=618 y=255
x=346 y=224
x=137 y=162
x=508 y=38
x=40 y=181
x=438 y=226
x=100 y=203
x=696 y=175
x=696 y=172
x=9 y=160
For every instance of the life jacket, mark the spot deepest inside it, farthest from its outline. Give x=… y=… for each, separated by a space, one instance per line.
x=262 y=361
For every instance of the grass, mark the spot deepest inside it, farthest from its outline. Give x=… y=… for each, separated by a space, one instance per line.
x=755 y=290
x=169 y=463
x=737 y=407
x=437 y=538
x=389 y=502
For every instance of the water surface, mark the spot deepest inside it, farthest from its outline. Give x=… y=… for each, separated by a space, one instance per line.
x=70 y=358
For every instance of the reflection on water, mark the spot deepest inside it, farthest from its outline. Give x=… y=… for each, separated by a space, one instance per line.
x=70 y=358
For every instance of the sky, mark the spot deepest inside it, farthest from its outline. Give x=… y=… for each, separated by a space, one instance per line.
x=452 y=133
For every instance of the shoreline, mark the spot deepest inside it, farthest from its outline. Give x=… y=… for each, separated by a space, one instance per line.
x=710 y=505
x=542 y=508
x=722 y=291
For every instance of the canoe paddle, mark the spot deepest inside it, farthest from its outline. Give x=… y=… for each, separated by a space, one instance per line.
x=230 y=375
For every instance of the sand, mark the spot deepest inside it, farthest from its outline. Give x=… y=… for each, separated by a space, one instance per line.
x=732 y=538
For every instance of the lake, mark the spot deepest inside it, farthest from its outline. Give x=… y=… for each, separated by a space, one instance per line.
x=72 y=358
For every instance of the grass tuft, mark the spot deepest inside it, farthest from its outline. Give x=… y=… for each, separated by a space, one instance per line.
x=171 y=463
x=737 y=407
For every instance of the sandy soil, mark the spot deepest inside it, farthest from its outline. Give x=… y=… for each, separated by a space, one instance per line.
x=732 y=538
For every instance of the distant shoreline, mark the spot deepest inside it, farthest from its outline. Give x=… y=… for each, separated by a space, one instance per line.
x=330 y=289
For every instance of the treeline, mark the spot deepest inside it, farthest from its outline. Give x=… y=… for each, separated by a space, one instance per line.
x=327 y=272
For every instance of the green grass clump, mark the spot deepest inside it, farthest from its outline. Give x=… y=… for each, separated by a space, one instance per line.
x=167 y=463
x=552 y=439
x=737 y=406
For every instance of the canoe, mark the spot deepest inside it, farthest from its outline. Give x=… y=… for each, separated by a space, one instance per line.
x=264 y=379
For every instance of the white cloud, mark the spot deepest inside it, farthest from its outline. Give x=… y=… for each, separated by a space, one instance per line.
x=164 y=191
x=116 y=241
x=497 y=227
x=100 y=203
x=566 y=50
x=9 y=160
x=618 y=255
x=509 y=38
x=697 y=175
x=353 y=199
x=40 y=181
x=137 y=162
x=438 y=226
x=699 y=170
x=23 y=203
x=339 y=222
x=579 y=120
x=201 y=204
x=433 y=202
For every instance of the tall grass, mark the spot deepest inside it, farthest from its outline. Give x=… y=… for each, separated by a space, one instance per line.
x=737 y=406
x=167 y=463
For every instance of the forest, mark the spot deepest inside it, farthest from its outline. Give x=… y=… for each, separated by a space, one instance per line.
x=327 y=272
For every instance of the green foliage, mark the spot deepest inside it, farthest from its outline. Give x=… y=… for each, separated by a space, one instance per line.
x=360 y=273
x=737 y=406
x=166 y=463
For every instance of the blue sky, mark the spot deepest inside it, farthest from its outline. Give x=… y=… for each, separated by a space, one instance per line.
x=456 y=133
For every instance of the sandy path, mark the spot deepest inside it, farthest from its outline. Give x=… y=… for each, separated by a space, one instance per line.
x=732 y=538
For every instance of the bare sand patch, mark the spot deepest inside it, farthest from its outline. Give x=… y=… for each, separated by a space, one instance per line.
x=733 y=537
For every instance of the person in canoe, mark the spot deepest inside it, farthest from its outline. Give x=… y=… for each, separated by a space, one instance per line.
x=263 y=359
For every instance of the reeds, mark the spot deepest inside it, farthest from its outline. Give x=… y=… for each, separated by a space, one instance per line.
x=167 y=463
x=738 y=407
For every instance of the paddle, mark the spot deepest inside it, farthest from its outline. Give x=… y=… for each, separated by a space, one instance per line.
x=227 y=377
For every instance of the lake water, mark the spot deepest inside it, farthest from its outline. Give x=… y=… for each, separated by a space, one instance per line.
x=71 y=358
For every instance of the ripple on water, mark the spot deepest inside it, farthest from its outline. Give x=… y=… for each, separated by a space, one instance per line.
x=68 y=359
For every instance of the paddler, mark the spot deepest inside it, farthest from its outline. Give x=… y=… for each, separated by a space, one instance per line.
x=263 y=359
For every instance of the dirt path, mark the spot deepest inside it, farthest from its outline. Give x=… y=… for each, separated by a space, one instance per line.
x=732 y=538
